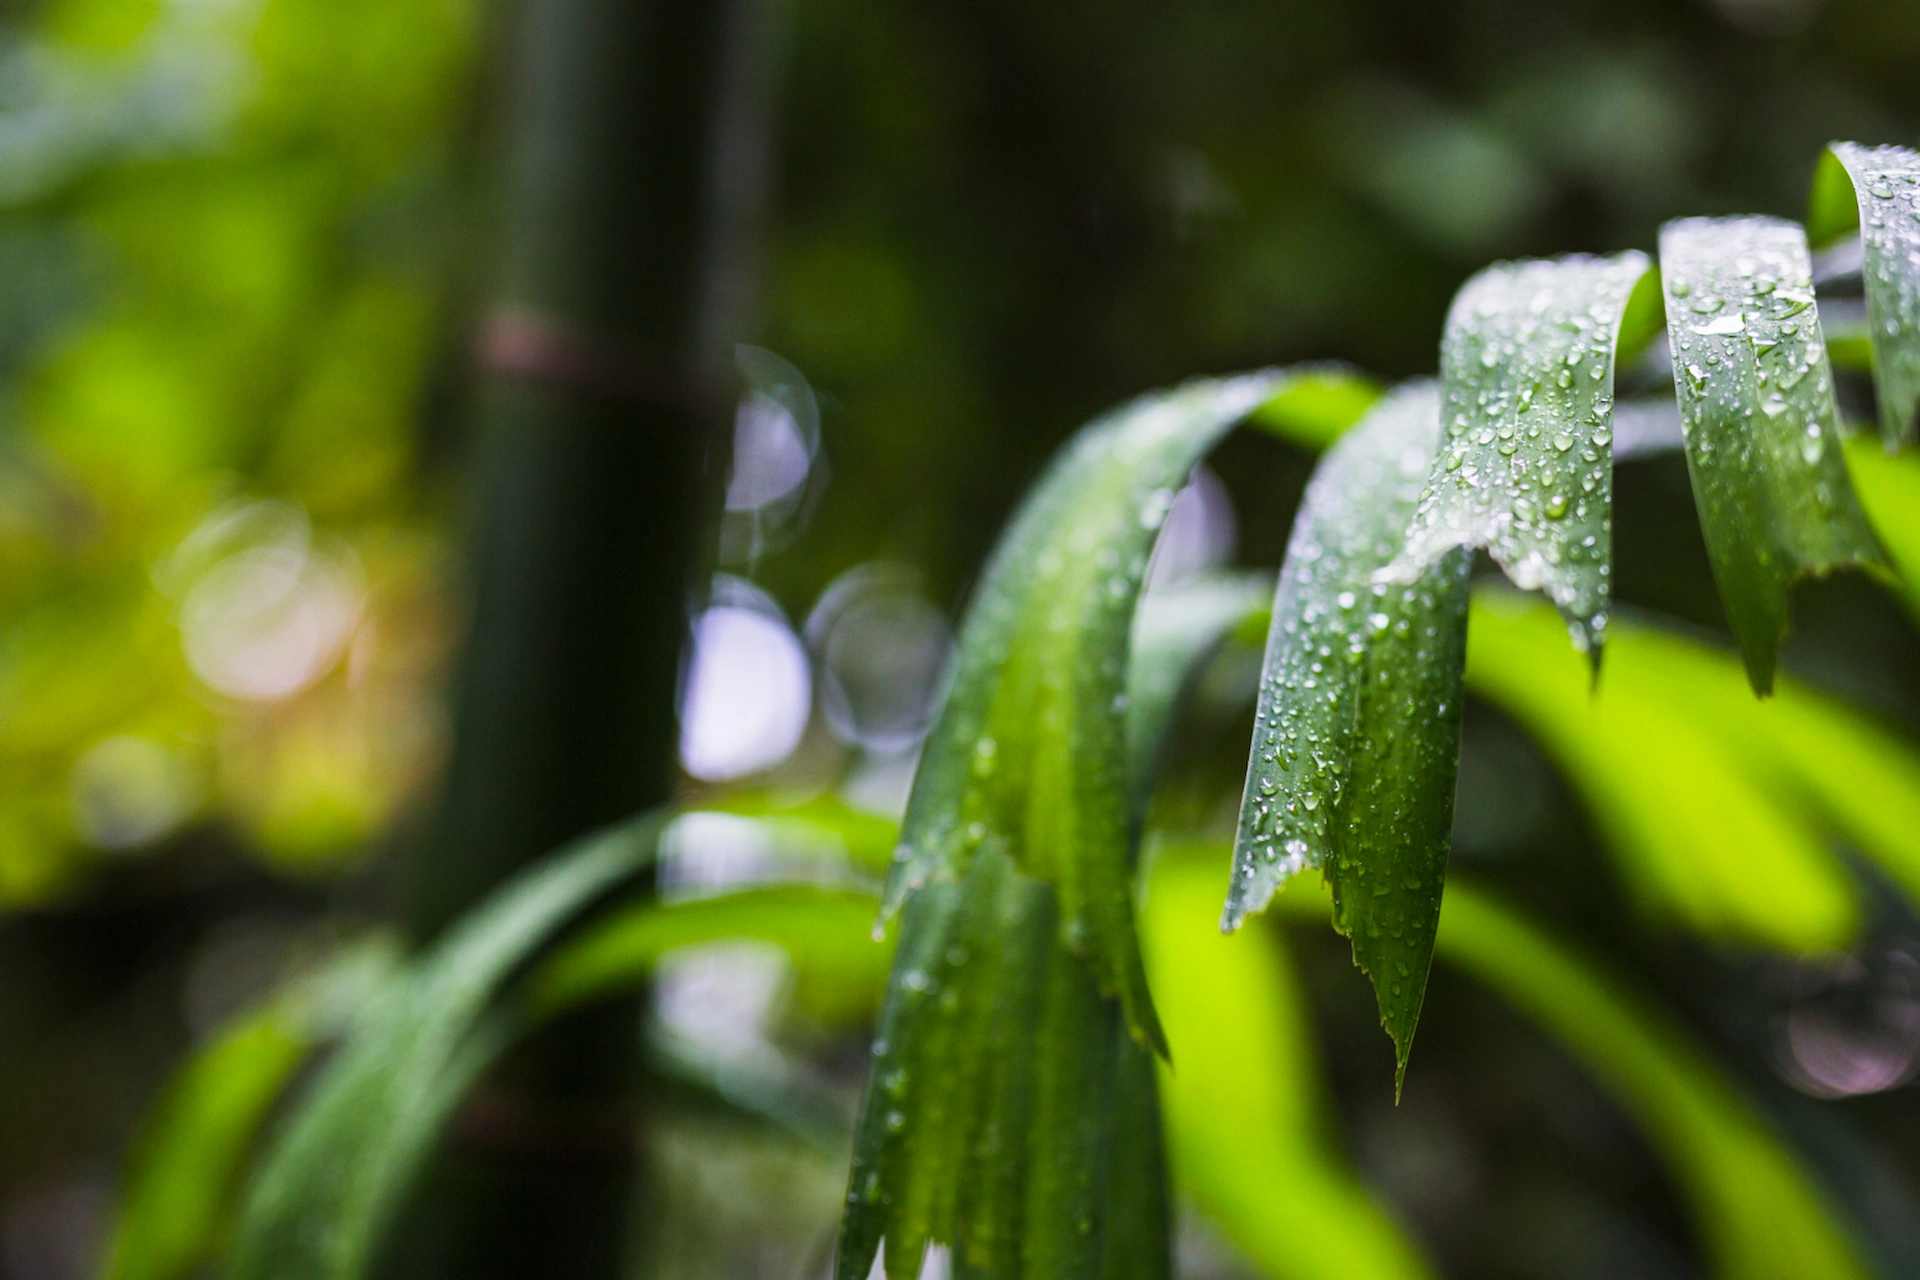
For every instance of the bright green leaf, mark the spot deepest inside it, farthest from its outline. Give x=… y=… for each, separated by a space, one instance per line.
x=1699 y=834
x=1886 y=185
x=1316 y=405
x=1525 y=467
x=1247 y=1114
x=1762 y=429
x=1889 y=492
x=1357 y=735
x=346 y=1157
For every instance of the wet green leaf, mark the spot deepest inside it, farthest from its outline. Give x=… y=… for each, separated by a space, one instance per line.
x=1525 y=467
x=1246 y=1108
x=1356 y=738
x=1701 y=835
x=187 y=1169
x=345 y=1158
x=1886 y=196
x=1029 y=755
x=1762 y=429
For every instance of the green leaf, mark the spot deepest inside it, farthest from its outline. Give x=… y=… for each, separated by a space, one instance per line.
x=1525 y=467
x=347 y=1155
x=829 y=929
x=1760 y=1215
x=1886 y=186
x=1700 y=834
x=1761 y=426
x=1029 y=756
x=1246 y=1108
x=186 y=1171
x=1316 y=405
x=1889 y=492
x=1357 y=735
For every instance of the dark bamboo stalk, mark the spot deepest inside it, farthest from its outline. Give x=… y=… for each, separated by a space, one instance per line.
x=628 y=177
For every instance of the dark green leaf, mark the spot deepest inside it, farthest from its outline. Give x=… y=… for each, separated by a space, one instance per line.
x=350 y=1150
x=1525 y=468
x=1762 y=430
x=187 y=1169
x=1356 y=738
x=1886 y=186
x=1029 y=756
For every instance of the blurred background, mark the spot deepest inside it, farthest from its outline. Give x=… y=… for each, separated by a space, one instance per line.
x=240 y=243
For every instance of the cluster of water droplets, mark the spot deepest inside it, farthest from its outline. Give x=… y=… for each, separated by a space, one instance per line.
x=1886 y=181
x=1758 y=414
x=1330 y=608
x=1525 y=467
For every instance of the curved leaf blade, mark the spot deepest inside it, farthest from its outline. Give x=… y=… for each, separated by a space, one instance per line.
x=1760 y=1215
x=348 y=1153
x=1525 y=467
x=1029 y=755
x=1700 y=835
x=1762 y=430
x=1886 y=186
x=187 y=1169
x=1357 y=733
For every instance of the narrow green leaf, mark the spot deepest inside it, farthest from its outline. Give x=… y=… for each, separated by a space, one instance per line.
x=1699 y=833
x=1525 y=467
x=1029 y=755
x=187 y=1168
x=1317 y=404
x=1357 y=734
x=1762 y=429
x=1886 y=185
x=1246 y=1108
x=346 y=1157
x=1889 y=493
x=829 y=929
x=1759 y=1213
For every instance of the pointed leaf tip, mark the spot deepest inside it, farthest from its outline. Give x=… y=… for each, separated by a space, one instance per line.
x=1356 y=735
x=1758 y=414
x=1525 y=467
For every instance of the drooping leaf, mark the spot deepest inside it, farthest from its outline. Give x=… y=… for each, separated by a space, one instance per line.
x=1357 y=735
x=1889 y=492
x=1029 y=754
x=187 y=1169
x=1700 y=835
x=1885 y=206
x=1759 y=1214
x=1525 y=467
x=346 y=1157
x=1245 y=1106
x=1762 y=429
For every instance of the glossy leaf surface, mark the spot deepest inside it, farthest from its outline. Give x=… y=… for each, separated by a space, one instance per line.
x=350 y=1150
x=1357 y=734
x=1525 y=467
x=1762 y=430
x=1029 y=755
x=1886 y=187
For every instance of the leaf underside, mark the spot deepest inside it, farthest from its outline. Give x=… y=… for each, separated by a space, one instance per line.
x=1356 y=736
x=1762 y=430
x=1525 y=467
x=1886 y=185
